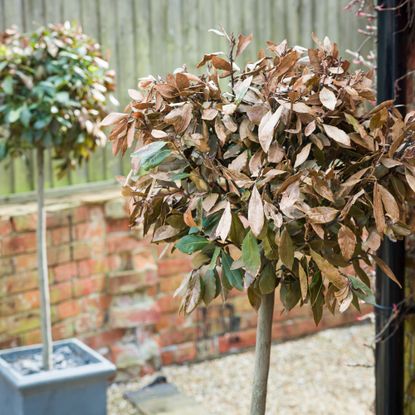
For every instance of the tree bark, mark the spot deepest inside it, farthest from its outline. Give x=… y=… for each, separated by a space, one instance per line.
x=43 y=265
x=262 y=354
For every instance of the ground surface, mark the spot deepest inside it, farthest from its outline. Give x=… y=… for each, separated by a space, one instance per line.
x=328 y=373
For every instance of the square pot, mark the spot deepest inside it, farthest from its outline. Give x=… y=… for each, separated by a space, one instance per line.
x=70 y=391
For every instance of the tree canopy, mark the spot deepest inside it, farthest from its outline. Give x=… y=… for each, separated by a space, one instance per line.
x=282 y=173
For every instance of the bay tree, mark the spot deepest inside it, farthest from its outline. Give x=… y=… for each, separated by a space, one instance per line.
x=281 y=174
x=54 y=86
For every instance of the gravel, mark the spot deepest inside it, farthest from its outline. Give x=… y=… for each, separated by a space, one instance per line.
x=327 y=373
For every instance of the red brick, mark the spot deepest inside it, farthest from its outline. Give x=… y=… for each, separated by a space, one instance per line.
x=24 y=223
x=59 y=236
x=104 y=338
x=20 y=302
x=168 y=304
x=179 y=354
x=89 y=230
x=65 y=272
x=18 y=283
x=58 y=254
x=80 y=214
x=20 y=243
x=171 y=266
x=30 y=337
x=5 y=227
x=120 y=242
x=89 y=322
x=57 y=218
x=122 y=282
x=81 y=250
x=67 y=309
x=170 y=320
x=63 y=330
x=118 y=225
x=21 y=323
x=24 y=262
x=89 y=285
x=177 y=335
x=237 y=340
x=6 y=266
x=170 y=284
x=94 y=303
x=134 y=311
x=60 y=292
x=88 y=267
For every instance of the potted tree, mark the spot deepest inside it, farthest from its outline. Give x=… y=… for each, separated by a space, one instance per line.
x=284 y=176
x=54 y=86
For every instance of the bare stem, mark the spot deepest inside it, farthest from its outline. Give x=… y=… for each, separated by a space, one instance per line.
x=262 y=354
x=43 y=266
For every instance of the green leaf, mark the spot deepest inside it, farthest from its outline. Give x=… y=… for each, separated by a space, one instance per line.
x=25 y=116
x=251 y=255
x=235 y=276
x=317 y=297
x=156 y=159
x=254 y=298
x=3 y=151
x=7 y=85
x=286 y=249
x=191 y=243
x=14 y=115
x=362 y=291
x=148 y=151
x=215 y=255
x=210 y=291
x=267 y=279
x=290 y=292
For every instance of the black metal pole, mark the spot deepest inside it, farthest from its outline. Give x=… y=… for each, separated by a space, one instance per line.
x=389 y=367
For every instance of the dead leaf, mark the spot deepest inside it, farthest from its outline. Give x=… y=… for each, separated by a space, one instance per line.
x=322 y=214
x=327 y=98
x=302 y=155
x=243 y=42
x=337 y=135
x=347 y=242
x=267 y=126
x=255 y=212
x=224 y=225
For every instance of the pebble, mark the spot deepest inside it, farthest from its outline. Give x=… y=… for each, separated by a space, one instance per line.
x=328 y=373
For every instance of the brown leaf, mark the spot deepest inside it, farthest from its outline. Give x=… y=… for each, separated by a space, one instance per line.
x=389 y=203
x=220 y=63
x=209 y=114
x=165 y=232
x=327 y=98
x=410 y=179
x=302 y=155
x=378 y=210
x=224 y=225
x=309 y=129
x=337 y=135
x=159 y=134
x=347 y=242
x=328 y=270
x=240 y=162
x=243 y=42
x=135 y=95
x=386 y=269
x=255 y=212
x=322 y=214
x=267 y=126
x=286 y=249
x=113 y=118
x=303 y=282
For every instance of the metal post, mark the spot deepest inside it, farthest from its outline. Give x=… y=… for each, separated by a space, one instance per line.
x=389 y=368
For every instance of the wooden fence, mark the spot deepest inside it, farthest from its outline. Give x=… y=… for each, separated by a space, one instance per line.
x=153 y=36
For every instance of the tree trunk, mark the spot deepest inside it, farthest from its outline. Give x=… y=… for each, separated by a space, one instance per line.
x=43 y=265
x=262 y=354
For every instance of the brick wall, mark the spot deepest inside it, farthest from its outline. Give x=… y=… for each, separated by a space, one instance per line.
x=109 y=289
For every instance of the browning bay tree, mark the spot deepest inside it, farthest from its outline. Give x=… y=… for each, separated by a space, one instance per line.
x=283 y=174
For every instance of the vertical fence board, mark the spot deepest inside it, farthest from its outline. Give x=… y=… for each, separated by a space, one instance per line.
x=156 y=36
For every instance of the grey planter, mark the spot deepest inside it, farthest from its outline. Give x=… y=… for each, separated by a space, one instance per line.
x=71 y=391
